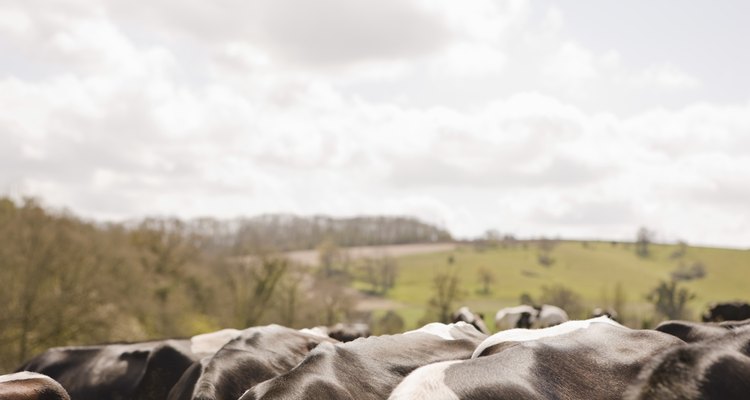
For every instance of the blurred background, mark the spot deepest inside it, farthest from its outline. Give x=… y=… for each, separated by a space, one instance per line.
x=175 y=167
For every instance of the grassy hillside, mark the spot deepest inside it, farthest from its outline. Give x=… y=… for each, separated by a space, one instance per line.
x=590 y=269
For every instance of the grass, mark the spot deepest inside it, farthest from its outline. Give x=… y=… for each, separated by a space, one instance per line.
x=591 y=269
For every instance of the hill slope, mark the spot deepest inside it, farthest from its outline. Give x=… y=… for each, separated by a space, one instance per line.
x=590 y=269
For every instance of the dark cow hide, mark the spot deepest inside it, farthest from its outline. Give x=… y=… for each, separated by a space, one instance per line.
x=256 y=355
x=368 y=369
x=349 y=331
x=715 y=368
x=466 y=315
x=30 y=386
x=142 y=371
x=575 y=360
x=735 y=311
x=695 y=331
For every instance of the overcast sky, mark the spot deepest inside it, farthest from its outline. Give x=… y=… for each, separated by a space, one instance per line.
x=580 y=119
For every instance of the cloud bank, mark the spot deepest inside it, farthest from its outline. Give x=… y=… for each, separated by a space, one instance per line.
x=473 y=116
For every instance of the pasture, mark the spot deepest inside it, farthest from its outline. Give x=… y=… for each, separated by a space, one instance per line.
x=591 y=269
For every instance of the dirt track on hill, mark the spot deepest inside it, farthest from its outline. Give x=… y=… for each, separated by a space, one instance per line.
x=365 y=302
x=310 y=257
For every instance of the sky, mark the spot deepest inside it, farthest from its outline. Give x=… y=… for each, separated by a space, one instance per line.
x=585 y=119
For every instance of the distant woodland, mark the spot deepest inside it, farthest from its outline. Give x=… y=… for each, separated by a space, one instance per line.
x=70 y=281
x=66 y=280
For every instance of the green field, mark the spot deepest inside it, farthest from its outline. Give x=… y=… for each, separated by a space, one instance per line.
x=591 y=269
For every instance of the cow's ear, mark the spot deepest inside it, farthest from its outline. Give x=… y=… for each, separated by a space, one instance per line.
x=311 y=344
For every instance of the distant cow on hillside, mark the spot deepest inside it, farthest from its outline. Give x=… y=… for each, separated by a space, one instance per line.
x=475 y=319
x=733 y=311
x=346 y=332
x=525 y=316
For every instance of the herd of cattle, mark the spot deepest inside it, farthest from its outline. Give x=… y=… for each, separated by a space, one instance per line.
x=537 y=354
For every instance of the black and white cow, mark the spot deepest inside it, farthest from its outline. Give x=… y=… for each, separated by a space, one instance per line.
x=606 y=312
x=368 y=369
x=716 y=368
x=476 y=319
x=591 y=359
x=549 y=315
x=142 y=371
x=695 y=331
x=525 y=316
x=733 y=311
x=255 y=355
x=30 y=386
x=346 y=332
x=515 y=317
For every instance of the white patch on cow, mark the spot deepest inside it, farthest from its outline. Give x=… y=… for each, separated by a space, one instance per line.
x=525 y=335
x=426 y=383
x=321 y=331
x=22 y=376
x=439 y=329
x=210 y=343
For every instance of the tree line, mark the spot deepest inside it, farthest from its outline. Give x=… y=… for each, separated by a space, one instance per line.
x=69 y=281
x=284 y=232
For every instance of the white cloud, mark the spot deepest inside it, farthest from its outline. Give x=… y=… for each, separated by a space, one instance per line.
x=572 y=62
x=14 y=21
x=337 y=109
x=665 y=75
x=468 y=60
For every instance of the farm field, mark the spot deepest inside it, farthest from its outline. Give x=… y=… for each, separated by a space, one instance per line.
x=591 y=269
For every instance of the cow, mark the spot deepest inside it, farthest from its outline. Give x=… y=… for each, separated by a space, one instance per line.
x=30 y=386
x=348 y=332
x=515 y=317
x=549 y=315
x=255 y=355
x=607 y=312
x=714 y=368
x=368 y=368
x=692 y=332
x=142 y=371
x=206 y=344
x=525 y=316
x=734 y=311
x=591 y=359
x=475 y=319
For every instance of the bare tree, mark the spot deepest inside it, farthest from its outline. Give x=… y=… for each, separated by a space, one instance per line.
x=336 y=299
x=55 y=289
x=643 y=240
x=544 y=255
x=486 y=278
x=329 y=256
x=389 y=324
x=290 y=297
x=669 y=300
x=564 y=298
x=380 y=273
x=681 y=250
x=447 y=291
x=619 y=299
x=253 y=284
